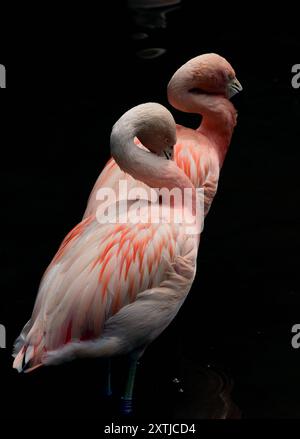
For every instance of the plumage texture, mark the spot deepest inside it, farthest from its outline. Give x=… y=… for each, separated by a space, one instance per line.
x=96 y=273
x=202 y=85
x=193 y=153
x=112 y=288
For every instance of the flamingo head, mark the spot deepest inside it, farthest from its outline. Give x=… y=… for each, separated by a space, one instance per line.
x=156 y=129
x=209 y=74
x=151 y=124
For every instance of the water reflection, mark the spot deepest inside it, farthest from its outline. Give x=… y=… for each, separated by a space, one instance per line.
x=152 y=19
x=139 y=36
x=203 y=393
x=150 y=16
x=147 y=4
x=151 y=53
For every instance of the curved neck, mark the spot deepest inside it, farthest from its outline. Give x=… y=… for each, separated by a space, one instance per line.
x=219 y=120
x=218 y=116
x=154 y=171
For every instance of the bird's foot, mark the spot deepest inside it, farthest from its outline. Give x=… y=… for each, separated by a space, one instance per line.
x=126 y=406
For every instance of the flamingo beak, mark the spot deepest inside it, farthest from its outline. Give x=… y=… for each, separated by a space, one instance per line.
x=168 y=154
x=234 y=87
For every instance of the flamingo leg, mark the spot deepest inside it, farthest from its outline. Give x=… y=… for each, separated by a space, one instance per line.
x=126 y=400
x=108 y=390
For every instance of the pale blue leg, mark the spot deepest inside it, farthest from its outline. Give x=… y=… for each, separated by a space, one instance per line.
x=126 y=400
x=107 y=389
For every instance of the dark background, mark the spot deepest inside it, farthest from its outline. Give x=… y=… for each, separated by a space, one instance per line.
x=68 y=81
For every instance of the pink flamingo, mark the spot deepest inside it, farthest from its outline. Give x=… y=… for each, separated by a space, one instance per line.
x=113 y=288
x=204 y=86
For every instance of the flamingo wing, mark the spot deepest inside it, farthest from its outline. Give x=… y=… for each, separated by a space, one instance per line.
x=97 y=271
x=200 y=164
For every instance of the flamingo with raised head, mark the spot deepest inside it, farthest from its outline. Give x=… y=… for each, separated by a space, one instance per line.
x=112 y=288
x=204 y=86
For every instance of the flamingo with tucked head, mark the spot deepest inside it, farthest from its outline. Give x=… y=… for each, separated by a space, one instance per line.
x=112 y=288
x=203 y=86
